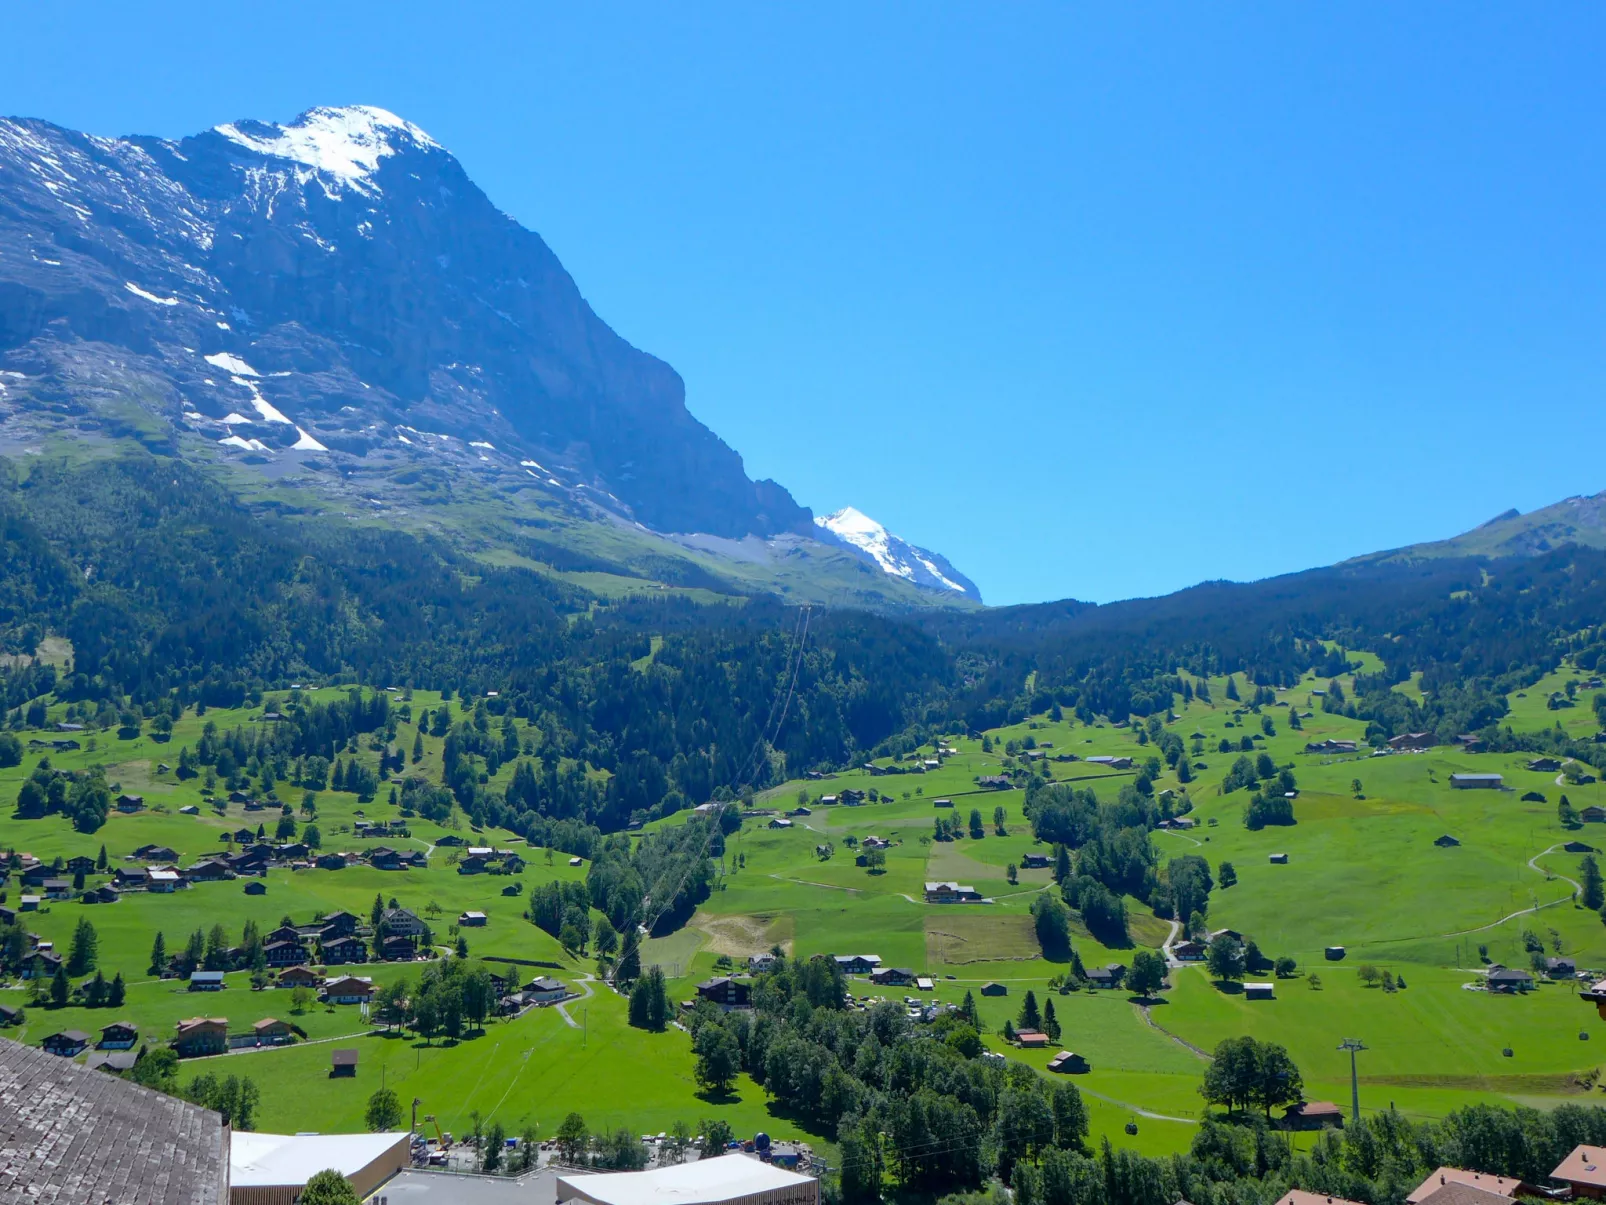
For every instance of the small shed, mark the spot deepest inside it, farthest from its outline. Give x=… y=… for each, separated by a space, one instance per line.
x=1260 y=991
x=1334 y=953
x=994 y=989
x=343 y=1063
x=1068 y=1062
x=1446 y=841
x=1278 y=859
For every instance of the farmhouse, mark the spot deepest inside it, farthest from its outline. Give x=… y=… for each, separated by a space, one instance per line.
x=284 y=953
x=780 y=822
x=994 y=989
x=1477 y=782
x=1560 y=968
x=164 y=882
x=1034 y=862
x=1412 y=740
x=994 y=782
x=84 y=1136
x=893 y=977
x=471 y=919
x=1106 y=976
x=1298 y=1196
x=734 y=1179
x=270 y=1031
x=196 y=1036
x=1313 y=1115
x=399 y=922
x=206 y=981
x=726 y=992
x=1545 y=765
x=1509 y=980
x=951 y=893
x=1114 y=763
x=1068 y=1063
x=1189 y=951
x=1585 y=1170
x=1031 y=1038
x=1593 y=814
x=1330 y=746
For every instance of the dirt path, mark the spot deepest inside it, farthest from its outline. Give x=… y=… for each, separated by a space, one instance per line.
x=832 y=886
x=1171 y=960
x=1149 y=1020
x=1138 y=1109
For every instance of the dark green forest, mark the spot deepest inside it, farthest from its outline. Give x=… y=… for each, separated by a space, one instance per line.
x=174 y=593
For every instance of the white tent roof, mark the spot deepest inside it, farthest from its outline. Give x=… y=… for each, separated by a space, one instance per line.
x=724 y=1178
x=257 y=1160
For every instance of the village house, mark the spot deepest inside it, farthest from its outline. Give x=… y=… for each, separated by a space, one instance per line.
x=1593 y=814
x=1313 y=1115
x=164 y=881
x=1031 y=1039
x=1412 y=740
x=994 y=989
x=1477 y=782
x=1189 y=951
x=544 y=990
x=82 y=864
x=857 y=964
x=994 y=782
x=726 y=992
x=155 y=853
x=338 y=951
x=471 y=919
x=67 y=1043
x=1106 y=976
x=1035 y=862
x=300 y=976
x=951 y=893
x=130 y=803
x=893 y=977
x=1330 y=746
x=780 y=822
x=399 y=922
x=349 y=989
x=197 y=1036
x=119 y=1035
x=1560 y=967
x=206 y=981
x=270 y=1031
x=1509 y=980
x=1482 y=1182
x=1585 y=1170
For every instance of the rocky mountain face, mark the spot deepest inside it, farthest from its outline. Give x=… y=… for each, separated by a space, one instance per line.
x=335 y=292
x=877 y=546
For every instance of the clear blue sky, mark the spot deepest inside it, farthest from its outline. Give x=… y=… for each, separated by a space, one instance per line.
x=1097 y=301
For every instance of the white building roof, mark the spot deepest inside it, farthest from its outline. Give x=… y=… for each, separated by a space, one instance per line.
x=725 y=1178
x=258 y=1160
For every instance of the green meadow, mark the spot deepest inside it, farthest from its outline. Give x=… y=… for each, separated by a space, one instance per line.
x=1362 y=871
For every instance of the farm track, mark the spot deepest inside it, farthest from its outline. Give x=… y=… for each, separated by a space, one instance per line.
x=1148 y=1019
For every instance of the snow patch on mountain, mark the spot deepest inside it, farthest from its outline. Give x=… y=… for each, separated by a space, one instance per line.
x=345 y=142
x=872 y=542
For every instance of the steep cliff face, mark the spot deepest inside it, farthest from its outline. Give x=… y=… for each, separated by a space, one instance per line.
x=338 y=288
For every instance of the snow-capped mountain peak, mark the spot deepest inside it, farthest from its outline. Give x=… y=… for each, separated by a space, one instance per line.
x=345 y=142
x=872 y=542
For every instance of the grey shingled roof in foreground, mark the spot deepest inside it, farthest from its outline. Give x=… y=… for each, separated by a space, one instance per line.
x=74 y=1136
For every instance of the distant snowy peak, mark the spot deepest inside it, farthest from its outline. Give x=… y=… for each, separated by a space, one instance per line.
x=874 y=543
x=346 y=142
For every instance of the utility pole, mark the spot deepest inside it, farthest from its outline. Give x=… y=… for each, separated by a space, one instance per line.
x=416 y=1103
x=1353 y=1045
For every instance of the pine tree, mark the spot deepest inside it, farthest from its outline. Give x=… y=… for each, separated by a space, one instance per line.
x=1062 y=864
x=1232 y=687
x=418 y=746
x=158 y=955
x=100 y=862
x=85 y=948
x=1051 y=1025
x=114 y=997
x=377 y=911
x=59 y=989
x=1030 y=1017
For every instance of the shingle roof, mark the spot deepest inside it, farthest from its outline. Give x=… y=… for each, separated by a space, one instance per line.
x=73 y=1135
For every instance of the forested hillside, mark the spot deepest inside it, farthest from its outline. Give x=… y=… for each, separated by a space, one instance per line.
x=172 y=592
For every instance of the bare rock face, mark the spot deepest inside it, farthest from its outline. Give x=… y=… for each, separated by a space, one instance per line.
x=339 y=288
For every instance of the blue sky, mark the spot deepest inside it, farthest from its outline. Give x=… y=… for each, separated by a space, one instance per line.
x=1098 y=301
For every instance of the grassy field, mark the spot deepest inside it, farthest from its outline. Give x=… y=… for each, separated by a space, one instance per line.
x=1362 y=871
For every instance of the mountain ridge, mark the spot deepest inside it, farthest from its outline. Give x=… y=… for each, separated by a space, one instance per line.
x=332 y=303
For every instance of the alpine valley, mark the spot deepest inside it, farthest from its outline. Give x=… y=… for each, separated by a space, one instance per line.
x=355 y=577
